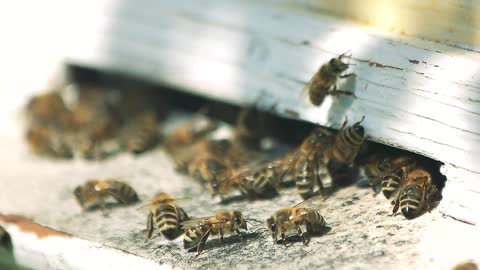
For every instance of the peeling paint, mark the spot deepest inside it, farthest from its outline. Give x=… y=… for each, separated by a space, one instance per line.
x=27 y=225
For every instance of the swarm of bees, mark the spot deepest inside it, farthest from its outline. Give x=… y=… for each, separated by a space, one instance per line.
x=91 y=122
x=99 y=123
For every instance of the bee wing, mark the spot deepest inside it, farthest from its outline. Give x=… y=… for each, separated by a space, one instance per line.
x=200 y=221
x=144 y=207
x=315 y=202
x=147 y=205
x=306 y=88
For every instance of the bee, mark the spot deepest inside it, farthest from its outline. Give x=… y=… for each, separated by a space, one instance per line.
x=343 y=152
x=207 y=168
x=48 y=109
x=253 y=180
x=417 y=193
x=95 y=192
x=47 y=141
x=293 y=218
x=310 y=162
x=466 y=266
x=5 y=240
x=166 y=215
x=394 y=172
x=198 y=230
x=324 y=82
x=190 y=133
x=140 y=133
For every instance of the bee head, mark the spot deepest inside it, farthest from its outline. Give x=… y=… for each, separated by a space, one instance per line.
x=358 y=128
x=78 y=195
x=239 y=221
x=337 y=65
x=273 y=228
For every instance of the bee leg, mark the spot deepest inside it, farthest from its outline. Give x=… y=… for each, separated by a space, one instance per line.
x=242 y=236
x=347 y=75
x=201 y=245
x=319 y=180
x=221 y=236
x=335 y=92
x=301 y=234
x=148 y=235
x=284 y=239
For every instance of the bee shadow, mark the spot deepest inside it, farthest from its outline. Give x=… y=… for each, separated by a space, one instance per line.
x=308 y=236
x=215 y=242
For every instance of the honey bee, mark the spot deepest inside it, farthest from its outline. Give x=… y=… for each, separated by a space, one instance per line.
x=198 y=230
x=190 y=133
x=5 y=240
x=394 y=172
x=417 y=193
x=343 y=152
x=140 y=133
x=166 y=215
x=95 y=193
x=323 y=83
x=466 y=266
x=47 y=141
x=47 y=108
x=207 y=168
x=292 y=219
x=310 y=162
x=252 y=180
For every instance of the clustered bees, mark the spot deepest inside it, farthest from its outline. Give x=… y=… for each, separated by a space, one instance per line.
x=240 y=163
x=91 y=122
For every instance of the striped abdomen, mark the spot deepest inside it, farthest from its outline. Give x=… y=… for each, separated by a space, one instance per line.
x=347 y=143
x=314 y=222
x=263 y=180
x=122 y=192
x=193 y=236
x=305 y=177
x=168 y=218
x=390 y=184
x=411 y=201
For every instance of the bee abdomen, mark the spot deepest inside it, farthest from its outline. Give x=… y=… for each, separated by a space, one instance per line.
x=410 y=203
x=127 y=193
x=304 y=182
x=192 y=237
x=315 y=223
x=390 y=184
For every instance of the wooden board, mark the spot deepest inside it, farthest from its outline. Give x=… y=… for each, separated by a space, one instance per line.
x=416 y=94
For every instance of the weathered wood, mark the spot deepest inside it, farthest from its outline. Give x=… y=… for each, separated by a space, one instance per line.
x=418 y=95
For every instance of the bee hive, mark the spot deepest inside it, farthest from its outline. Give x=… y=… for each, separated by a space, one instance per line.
x=416 y=94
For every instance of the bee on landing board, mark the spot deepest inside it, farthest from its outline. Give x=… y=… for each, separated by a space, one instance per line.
x=290 y=220
x=166 y=216
x=253 y=180
x=342 y=153
x=222 y=222
x=96 y=192
x=324 y=82
x=189 y=133
x=309 y=162
x=417 y=194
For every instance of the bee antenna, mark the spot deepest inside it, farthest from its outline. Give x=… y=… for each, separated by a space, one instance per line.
x=363 y=117
x=343 y=54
